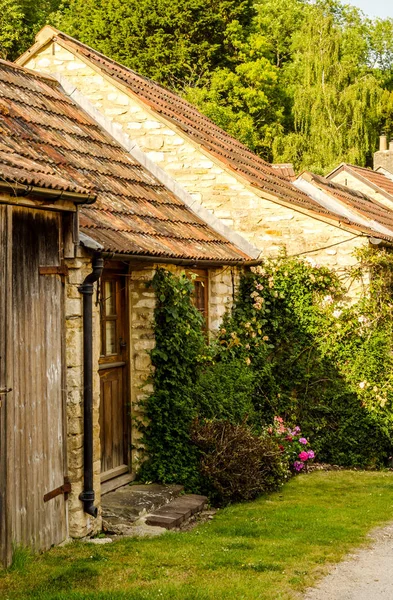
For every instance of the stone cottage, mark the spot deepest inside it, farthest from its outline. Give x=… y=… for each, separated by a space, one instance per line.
x=190 y=154
x=73 y=286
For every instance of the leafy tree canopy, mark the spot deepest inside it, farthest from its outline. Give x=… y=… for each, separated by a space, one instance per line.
x=176 y=42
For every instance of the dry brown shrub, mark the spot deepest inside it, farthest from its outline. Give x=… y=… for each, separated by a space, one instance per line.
x=236 y=464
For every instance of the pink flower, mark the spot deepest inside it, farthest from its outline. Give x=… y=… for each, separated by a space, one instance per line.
x=303 y=441
x=303 y=455
x=311 y=454
x=298 y=466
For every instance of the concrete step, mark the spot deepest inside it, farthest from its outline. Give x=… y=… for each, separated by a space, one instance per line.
x=177 y=511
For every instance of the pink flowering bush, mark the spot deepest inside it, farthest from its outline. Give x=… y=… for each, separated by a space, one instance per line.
x=294 y=447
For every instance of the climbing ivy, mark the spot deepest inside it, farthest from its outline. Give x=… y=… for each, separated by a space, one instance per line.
x=179 y=348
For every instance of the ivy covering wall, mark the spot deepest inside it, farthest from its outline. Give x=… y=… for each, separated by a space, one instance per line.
x=293 y=347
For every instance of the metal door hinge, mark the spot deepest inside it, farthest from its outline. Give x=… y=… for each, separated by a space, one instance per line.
x=63 y=489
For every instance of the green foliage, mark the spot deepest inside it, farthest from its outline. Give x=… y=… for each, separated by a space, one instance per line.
x=176 y=42
x=11 y=26
x=330 y=362
x=20 y=20
x=293 y=348
x=223 y=390
x=246 y=100
x=333 y=89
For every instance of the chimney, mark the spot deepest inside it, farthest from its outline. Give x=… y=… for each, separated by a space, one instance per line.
x=384 y=157
x=383 y=143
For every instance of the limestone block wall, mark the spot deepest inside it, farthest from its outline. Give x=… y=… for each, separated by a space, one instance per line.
x=222 y=283
x=267 y=225
x=350 y=181
x=80 y=524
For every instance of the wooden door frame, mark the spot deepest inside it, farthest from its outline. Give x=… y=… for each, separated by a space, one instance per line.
x=118 y=270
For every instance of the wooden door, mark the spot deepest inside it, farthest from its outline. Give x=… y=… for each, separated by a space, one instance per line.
x=113 y=370
x=34 y=409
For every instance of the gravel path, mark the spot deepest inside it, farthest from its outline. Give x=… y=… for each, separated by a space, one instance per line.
x=365 y=575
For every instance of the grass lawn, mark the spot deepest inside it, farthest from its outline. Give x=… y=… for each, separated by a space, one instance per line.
x=271 y=548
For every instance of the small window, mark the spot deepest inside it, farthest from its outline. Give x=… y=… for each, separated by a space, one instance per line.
x=109 y=317
x=201 y=293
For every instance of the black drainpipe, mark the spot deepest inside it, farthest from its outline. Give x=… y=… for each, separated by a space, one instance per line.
x=87 y=496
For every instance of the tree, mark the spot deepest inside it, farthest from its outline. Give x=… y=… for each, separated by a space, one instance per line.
x=20 y=20
x=247 y=100
x=337 y=97
x=176 y=42
x=250 y=100
x=11 y=26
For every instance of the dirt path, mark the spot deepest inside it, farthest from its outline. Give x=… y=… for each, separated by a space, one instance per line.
x=364 y=575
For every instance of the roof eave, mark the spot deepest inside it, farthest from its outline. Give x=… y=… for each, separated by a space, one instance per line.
x=20 y=189
x=194 y=262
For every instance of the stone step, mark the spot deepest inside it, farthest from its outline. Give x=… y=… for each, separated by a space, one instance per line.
x=177 y=511
x=127 y=504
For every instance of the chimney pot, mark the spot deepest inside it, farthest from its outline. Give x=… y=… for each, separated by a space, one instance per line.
x=383 y=143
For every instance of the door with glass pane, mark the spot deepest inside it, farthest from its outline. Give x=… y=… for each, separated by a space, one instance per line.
x=113 y=369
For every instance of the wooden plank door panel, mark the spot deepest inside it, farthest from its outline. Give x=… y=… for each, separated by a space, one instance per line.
x=113 y=369
x=38 y=431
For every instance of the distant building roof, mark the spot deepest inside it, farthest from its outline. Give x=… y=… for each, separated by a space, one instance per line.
x=360 y=211
x=48 y=141
x=376 y=179
x=285 y=170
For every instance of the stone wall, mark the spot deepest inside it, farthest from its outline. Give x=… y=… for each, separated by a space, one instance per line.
x=222 y=283
x=260 y=220
x=80 y=524
x=354 y=183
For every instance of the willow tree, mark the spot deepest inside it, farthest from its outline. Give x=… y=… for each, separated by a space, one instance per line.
x=337 y=98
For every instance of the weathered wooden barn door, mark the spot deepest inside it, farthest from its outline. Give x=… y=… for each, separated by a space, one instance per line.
x=113 y=369
x=35 y=408
x=5 y=373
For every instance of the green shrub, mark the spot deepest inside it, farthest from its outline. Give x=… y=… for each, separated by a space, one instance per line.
x=236 y=463
x=224 y=390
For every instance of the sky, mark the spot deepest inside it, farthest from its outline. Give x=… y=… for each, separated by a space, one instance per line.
x=374 y=8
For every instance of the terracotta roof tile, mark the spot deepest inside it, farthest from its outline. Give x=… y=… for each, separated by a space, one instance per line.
x=48 y=141
x=286 y=170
